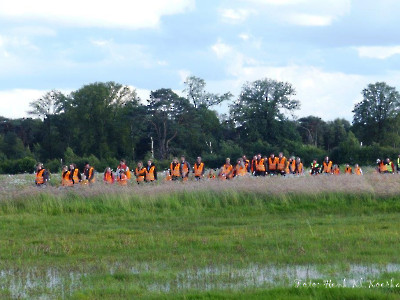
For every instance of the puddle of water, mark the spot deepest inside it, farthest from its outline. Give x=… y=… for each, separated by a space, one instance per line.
x=54 y=283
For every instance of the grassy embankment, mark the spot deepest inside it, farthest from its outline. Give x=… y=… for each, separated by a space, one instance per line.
x=207 y=239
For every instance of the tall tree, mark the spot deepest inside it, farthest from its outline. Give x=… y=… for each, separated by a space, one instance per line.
x=97 y=126
x=372 y=116
x=198 y=96
x=260 y=109
x=166 y=115
x=46 y=108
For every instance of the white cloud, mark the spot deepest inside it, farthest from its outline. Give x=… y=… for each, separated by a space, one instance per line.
x=328 y=95
x=221 y=49
x=77 y=13
x=296 y=12
x=32 y=31
x=378 y=52
x=244 y=36
x=236 y=15
x=276 y=2
x=15 y=103
x=310 y=20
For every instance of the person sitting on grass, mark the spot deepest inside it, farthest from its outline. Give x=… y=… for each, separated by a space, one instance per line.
x=88 y=171
x=240 y=168
x=108 y=177
x=151 y=171
x=226 y=171
x=66 y=177
x=184 y=168
x=357 y=170
x=175 y=169
x=315 y=168
x=122 y=178
x=42 y=175
x=140 y=172
x=75 y=175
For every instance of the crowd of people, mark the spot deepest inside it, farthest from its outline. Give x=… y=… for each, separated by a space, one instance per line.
x=180 y=169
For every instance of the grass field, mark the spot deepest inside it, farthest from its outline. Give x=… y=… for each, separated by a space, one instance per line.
x=274 y=238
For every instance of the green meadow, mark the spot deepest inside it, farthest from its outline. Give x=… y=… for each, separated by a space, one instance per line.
x=279 y=238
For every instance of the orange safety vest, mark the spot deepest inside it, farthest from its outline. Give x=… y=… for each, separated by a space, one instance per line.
x=228 y=171
x=122 y=179
x=108 y=178
x=336 y=171
x=292 y=166
x=240 y=171
x=382 y=167
x=175 y=170
x=140 y=174
x=327 y=166
x=246 y=164
x=39 y=177
x=126 y=169
x=75 y=176
x=198 y=169
x=66 y=180
x=281 y=164
x=299 y=168
x=348 y=170
x=185 y=169
x=253 y=165
x=150 y=174
x=260 y=166
x=357 y=171
x=272 y=163
x=91 y=170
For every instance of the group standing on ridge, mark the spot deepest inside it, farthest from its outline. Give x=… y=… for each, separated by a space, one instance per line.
x=179 y=170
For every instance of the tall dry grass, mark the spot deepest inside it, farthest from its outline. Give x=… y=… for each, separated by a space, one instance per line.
x=374 y=184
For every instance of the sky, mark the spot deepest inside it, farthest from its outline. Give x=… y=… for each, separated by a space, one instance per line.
x=328 y=50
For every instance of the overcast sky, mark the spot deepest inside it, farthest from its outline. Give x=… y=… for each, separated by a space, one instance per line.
x=329 y=50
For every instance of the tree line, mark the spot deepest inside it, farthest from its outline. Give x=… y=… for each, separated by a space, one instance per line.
x=103 y=122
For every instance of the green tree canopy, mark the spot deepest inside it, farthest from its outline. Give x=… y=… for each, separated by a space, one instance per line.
x=372 y=116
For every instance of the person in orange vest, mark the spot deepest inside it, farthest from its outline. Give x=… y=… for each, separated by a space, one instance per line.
x=253 y=165
x=357 y=170
x=335 y=170
x=281 y=165
x=272 y=164
x=326 y=166
x=240 y=168
x=379 y=166
x=198 y=169
x=226 y=171
x=123 y=167
x=184 y=168
x=42 y=175
x=65 y=177
x=140 y=172
x=108 y=176
x=298 y=169
x=246 y=163
x=291 y=165
x=75 y=175
x=175 y=169
x=151 y=171
x=88 y=171
x=348 y=170
x=260 y=166
x=122 y=178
